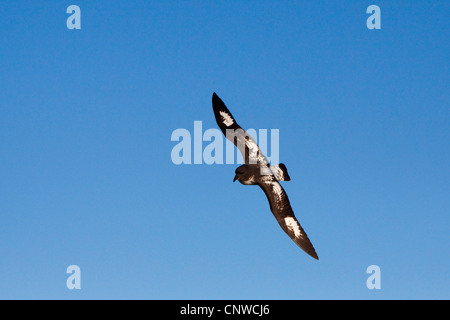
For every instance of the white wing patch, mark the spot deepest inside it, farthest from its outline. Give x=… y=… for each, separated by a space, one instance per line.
x=278 y=190
x=227 y=119
x=293 y=226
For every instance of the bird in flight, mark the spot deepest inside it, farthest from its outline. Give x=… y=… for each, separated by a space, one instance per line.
x=256 y=170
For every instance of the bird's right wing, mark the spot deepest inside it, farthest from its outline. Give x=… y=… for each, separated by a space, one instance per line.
x=233 y=132
x=282 y=210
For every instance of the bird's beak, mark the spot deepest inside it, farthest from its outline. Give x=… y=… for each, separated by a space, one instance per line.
x=235 y=178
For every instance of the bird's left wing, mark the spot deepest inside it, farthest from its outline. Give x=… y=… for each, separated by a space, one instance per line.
x=233 y=132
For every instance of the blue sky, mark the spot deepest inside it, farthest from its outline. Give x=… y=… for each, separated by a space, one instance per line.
x=86 y=118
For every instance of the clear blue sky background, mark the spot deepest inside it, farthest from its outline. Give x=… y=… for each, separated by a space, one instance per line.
x=86 y=176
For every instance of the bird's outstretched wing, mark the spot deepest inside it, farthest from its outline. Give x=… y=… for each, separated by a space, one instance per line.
x=233 y=132
x=281 y=209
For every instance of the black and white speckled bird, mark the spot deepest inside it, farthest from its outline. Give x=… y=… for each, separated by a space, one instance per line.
x=256 y=170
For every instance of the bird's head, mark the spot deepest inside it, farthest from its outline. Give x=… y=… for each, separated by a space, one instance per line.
x=242 y=174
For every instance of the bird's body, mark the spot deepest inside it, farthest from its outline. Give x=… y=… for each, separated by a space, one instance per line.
x=257 y=171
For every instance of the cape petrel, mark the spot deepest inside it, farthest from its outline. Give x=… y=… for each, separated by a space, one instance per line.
x=256 y=170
